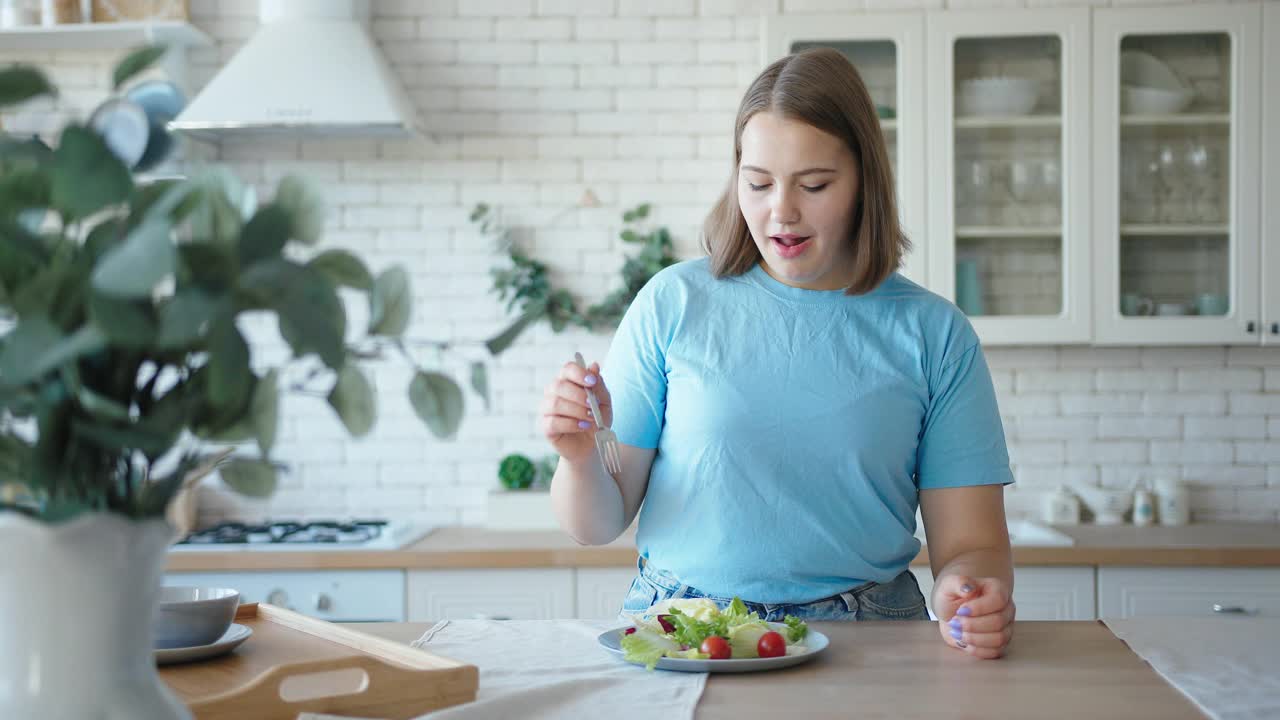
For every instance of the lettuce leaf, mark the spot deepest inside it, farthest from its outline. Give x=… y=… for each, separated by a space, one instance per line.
x=645 y=647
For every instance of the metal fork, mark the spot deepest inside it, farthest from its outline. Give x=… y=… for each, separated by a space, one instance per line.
x=606 y=441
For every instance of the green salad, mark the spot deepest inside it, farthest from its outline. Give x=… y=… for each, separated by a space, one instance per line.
x=697 y=629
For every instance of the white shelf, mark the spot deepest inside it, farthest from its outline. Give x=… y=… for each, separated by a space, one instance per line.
x=888 y=124
x=1010 y=231
x=102 y=36
x=1178 y=119
x=1012 y=121
x=1174 y=230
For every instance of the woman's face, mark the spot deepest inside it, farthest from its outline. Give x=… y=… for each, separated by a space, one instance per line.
x=798 y=190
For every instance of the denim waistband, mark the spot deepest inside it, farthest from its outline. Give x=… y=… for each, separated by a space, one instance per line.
x=670 y=583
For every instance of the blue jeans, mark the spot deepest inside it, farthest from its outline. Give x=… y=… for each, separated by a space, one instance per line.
x=898 y=599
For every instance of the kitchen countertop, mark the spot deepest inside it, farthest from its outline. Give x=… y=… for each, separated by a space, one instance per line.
x=1215 y=544
x=887 y=669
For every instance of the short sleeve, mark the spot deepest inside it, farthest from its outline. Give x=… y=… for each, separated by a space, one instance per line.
x=962 y=442
x=635 y=368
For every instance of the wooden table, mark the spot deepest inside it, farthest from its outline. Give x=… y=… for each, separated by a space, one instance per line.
x=902 y=670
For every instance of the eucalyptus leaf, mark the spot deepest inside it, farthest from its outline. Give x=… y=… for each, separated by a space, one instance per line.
x=185 y=317
x=21 y=83
x=264 y=236
x=390 y=303
x=264 y=411
x=304 y=203
x=37 y=346
x=342 y=269
x=499 y=343
x=87 y=176
x=101 y=405
x=353 y=399
x=480 y=381
x=135 y=267
x=230 y=378
x=116 y=437
x=438 y=402
x=251 y=478
x=126 y=323
x=135 y=62
x=312 y=317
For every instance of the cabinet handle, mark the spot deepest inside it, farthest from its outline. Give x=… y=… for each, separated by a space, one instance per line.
x=1275 y=328
x=1230 y=610
x=1250 y=327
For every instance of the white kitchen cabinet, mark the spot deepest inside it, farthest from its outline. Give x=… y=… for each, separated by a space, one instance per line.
x=1176 y=188
x=332 y=595
x=600 y=591
x=1204 y=591
x=1271 y=176
x=512 y=594
x=1008 y=169
x=888 y=50
x=1041 y=593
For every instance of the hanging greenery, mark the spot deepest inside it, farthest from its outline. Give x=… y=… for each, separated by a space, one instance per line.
x=525 y=283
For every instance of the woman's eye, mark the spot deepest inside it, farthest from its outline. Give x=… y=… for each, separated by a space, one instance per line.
x=757 y=188
x=815 y=188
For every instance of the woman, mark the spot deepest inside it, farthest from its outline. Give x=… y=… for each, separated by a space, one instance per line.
x=785 y=403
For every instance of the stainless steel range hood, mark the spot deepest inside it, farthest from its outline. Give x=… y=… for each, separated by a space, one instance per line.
x=311 y=69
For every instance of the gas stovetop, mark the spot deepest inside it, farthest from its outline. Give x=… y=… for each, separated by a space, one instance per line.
x=284 y=535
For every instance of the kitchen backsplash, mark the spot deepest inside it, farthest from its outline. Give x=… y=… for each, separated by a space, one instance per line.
x=532 y=103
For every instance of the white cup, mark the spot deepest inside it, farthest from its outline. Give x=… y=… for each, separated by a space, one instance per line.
x=1171 y=309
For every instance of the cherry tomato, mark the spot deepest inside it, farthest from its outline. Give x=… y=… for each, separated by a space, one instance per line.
x=771 y=644
x=715 y=646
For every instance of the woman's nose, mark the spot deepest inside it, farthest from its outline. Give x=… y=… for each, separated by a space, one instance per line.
x=783 y=208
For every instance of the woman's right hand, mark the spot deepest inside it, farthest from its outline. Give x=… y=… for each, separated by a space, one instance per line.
x=566 y=416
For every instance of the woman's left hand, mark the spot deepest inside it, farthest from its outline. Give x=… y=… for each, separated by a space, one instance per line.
x=975 y=614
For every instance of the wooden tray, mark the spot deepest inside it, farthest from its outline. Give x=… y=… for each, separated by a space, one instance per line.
x=322 y=668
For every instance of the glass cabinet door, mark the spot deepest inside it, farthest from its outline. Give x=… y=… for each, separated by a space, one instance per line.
x=1012 y=136
x=887 y=50
x=1178 y=259
x=1271 y=176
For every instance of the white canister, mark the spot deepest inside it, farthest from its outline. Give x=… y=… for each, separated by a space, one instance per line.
x=48 y=13
x=1061 y=507
x=1173 y=502
x=1144 y=507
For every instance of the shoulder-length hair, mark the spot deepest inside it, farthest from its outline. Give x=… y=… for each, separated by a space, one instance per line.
x=822 y=88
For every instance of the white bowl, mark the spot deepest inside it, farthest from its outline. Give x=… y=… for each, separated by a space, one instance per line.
x=193 y=616
x=1003 y=95
x=1153 y=101
x=1146 y=70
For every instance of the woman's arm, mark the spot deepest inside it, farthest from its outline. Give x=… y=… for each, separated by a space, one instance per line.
x=972 y=564
x=593 y=507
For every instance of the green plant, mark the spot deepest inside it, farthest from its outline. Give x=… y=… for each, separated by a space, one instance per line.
x=526 y=285
x=516 y=472
x=121 y=358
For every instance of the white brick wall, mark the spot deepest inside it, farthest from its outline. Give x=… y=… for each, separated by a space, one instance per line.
x=535 y=101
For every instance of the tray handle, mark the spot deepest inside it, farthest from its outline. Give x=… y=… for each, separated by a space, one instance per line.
x=391 y=692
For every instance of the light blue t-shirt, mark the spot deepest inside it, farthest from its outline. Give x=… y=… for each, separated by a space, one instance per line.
x=794 y=427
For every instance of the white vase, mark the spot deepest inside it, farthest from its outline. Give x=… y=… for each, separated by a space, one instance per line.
x=76 y=607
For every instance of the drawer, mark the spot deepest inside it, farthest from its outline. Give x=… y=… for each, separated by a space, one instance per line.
x=1185 y=592
x=333 y=595
x=602 y=590
x=515 y=594
x=1041 y=593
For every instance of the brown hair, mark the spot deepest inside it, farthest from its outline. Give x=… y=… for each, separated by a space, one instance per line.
x=822 y=88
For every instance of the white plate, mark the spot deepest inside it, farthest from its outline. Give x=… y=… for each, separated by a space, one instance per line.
x=814 y=643
x=232 y=638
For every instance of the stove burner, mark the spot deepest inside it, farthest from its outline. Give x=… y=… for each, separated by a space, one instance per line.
x=355 y=532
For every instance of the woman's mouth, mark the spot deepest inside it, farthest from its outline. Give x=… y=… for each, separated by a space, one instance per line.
x=789 y=246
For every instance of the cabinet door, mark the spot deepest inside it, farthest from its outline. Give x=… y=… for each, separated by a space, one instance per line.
x=1145 y=592
x=1271 y=176
x=333 y=595
x=1041 y=593
x=888 y=50
x=601 y=591
x=1177 y=167
x=516 y=594
x=1009 y=171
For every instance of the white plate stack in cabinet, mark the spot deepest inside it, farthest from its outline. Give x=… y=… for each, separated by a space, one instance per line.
x=1008 y=193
